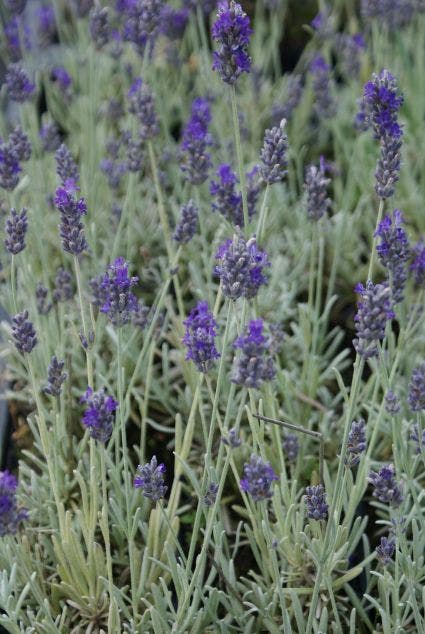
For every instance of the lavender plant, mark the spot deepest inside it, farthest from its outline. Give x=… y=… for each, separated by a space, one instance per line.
x=195 y=445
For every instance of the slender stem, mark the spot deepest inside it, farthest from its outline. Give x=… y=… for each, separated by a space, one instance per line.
x=240 y=157
x=13 y=283
x=375 y=239
x=172 y=532
x=125 y=457
x=262 y=216
x=89 y=360
x=105 y=521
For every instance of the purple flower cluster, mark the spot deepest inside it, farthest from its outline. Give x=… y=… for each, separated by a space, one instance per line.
x=385 y=550
x=71 y=209
x=211 y=494
x=315 y=188
x=118 y=301
x=316 y=502
x=227 y=201
x=350 y=49
x=63 y=80
x=9 y=166
x=241 y=267
x=66 y=167
x=356 y=444
x=64 y=290
x=418 y=265
x=379 y=110
x=324 y=103
x=16 y=229
x=20 y=143
x=391 y=14
x=232 y=439
x=258 y=479
x=195 y=160
x=273 y=154
x=375 y=309
x=416 y=396
x=418 y=437
x=19 y=86
x=174 y=21
x=186 y=228
x=142 y=22
x=23 y=333
x=56 y=377
x=232 y=31
x=393 y=252
x=100 y=26
x=291 y=446
x=99 y=416
x=392 y=403
x=386 y=488
x=150 y=478
x=42 y=303
x=254 y=364
x=10 y=515
x=200 y=337
x=141 y=104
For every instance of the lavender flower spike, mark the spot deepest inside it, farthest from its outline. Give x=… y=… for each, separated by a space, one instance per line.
x=66 y=168
x=254 y=364
x=16 y=229
x=119 y=300
x=273 y=154
x=386 y=488
x=9 y=167
x=195 y=160
x=71 y=210
x=150 y=478
x=199 y=337
x=186 y=228
x=99 y=416
x=231 y=30
x=315 y=187
x=141 y=103
x=23 y=333
x=19 y=86
x=100 y=27
x=356 y=444
x=10 y=515
x=291 y=446
x=316 y=503
x=385 y=550
x=227 y=201
x=241 y=267
x=21 y=144
x=393 y=252
x=324 y=103
x=56 y=377
x=416 y=396
x=258 y=479
x=373 y=312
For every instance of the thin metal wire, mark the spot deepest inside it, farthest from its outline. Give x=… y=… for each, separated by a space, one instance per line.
x=315 y=434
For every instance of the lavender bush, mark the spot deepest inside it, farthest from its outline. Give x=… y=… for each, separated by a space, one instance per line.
x=215 y=357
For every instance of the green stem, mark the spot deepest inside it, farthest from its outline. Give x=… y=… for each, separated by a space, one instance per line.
x=239 y=156
x=89 y=360
x=375 y=239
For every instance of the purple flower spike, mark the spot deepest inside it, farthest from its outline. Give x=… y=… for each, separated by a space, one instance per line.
x=356 y=444
x=19 y=86
x=258 y=479
x=56 y=377
x=254 y=364
x=316 y=503
x=375 y=309
x=141 y=103
x=385 y=550
x=150 y=478
x=324 y=103
x=241 y=267
x=71 y=226
x=99 y=416
x=195 y=160
x=10 y=515
x=393 y=252
x=200 y=336
x=9 y=167
x=186 y=228
x=227 y=201
x=119 y=302
x=66 y=167
x=315 y=188
x=386 y=488
x=418 y=265
x=23 y=333
x=231 y=30
x=416 y=396
x=100 y=27
x=16 y=229
x=273 y=154
x=291 y=446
